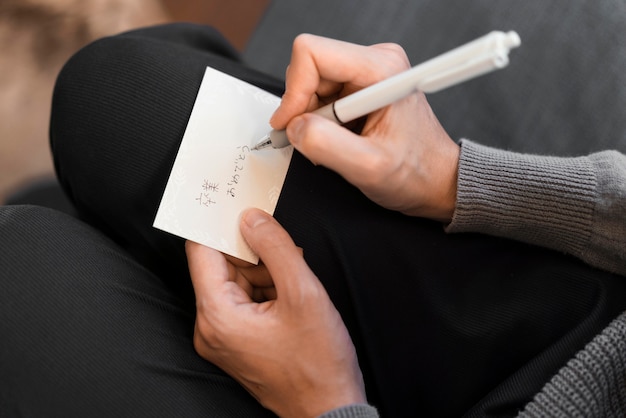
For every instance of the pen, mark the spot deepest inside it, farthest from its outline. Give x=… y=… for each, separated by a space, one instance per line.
x=478 y=57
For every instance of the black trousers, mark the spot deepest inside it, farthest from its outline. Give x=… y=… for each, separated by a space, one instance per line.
x=97 y=311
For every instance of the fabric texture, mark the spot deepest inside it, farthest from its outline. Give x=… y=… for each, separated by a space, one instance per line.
x=89 y=332
x=574 y=205
x=593 y=384
x=352 y=411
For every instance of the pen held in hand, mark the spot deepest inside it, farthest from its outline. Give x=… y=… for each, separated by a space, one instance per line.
x=468 y=61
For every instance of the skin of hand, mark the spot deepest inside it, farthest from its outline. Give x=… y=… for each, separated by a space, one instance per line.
x=402 y=159
x=273 y=327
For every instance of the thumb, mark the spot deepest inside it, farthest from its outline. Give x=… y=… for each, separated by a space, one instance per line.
x=331 y=145
x=291 y=275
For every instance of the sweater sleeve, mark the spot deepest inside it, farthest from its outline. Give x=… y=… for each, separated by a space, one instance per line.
x=352 y=411
x=593 y=384
x=575 y=205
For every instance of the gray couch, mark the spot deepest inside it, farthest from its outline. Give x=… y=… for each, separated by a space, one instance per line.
x=563 y=92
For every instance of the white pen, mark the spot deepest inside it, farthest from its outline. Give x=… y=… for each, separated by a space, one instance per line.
x=485 y=54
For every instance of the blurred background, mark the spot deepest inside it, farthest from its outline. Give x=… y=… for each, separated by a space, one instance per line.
x=38 y=36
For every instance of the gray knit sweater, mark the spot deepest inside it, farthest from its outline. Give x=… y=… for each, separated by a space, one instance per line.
x=574 y=205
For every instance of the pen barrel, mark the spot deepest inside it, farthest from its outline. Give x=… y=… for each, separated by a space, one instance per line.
x=475 y=58
x=376 y=96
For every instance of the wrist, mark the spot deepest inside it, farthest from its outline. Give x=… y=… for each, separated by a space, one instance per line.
x=437 y=187
x=447 y=199
x=344 y=395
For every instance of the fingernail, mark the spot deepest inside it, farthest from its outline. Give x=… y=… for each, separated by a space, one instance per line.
x=255 y=217
x=294 y=130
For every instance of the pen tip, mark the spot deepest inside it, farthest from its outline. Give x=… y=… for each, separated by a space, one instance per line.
x=263 y=143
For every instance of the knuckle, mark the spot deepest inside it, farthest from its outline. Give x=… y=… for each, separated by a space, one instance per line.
x=308 y=294
x=205 y=340
x=397 y=50
x=211 y=330
x=206 y=334
x=376 y=167
x=311 y=295
x=303 y=42
x=396 y=59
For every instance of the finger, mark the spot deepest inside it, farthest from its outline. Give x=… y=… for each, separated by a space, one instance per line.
x=305 y=76
x=208 y=267
x=264 y=294
x=317 y=58
x=255 y=280
x=256 y=293
x=238 y=262
x=259 y=282
x=325 y=143
x=257 y=275
x=292 y=276
x=210 y=275
x=325 y=88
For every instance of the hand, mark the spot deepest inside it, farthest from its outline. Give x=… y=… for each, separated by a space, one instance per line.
x=403 y=159
x=292 y=352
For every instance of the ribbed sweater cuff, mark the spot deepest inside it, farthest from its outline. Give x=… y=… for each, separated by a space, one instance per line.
x=352 y=411
x=541 y=200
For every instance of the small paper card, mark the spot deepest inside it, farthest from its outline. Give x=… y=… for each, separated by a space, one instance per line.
x=216 y=175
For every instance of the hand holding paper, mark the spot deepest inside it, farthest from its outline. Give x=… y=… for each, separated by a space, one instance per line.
x=215 y=176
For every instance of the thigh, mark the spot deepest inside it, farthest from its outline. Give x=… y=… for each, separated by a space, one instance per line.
x=443 y=323
x=119 y=112
x=86 y=331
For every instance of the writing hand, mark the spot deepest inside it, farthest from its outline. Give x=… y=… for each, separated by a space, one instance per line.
x=292 y=352
x=403 y=159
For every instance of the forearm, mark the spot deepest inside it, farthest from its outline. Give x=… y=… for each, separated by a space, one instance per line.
x=575 y=205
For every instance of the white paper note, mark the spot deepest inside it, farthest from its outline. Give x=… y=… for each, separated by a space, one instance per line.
x=216 y=175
